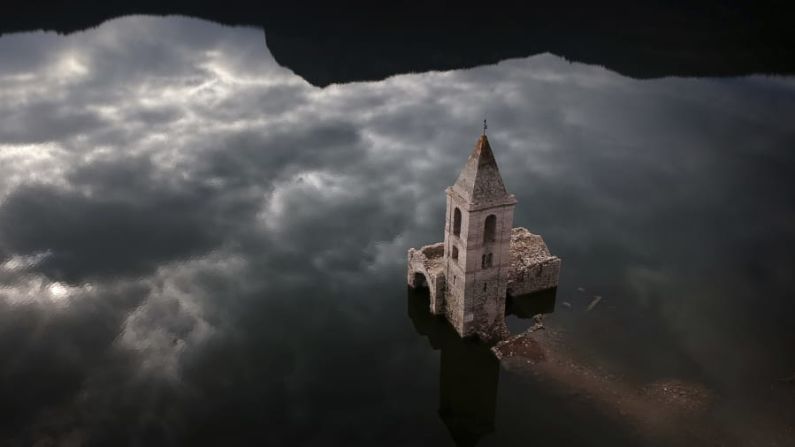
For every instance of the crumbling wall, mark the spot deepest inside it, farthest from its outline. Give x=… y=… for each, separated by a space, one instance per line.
x=428 y=261
x=533 y=268
x=535 y=278
x=433 y=252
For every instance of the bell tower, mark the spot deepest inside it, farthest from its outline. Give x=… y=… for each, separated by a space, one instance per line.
x=477 y=240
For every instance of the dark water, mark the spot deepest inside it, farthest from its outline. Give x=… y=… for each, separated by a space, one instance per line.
x=197 y=247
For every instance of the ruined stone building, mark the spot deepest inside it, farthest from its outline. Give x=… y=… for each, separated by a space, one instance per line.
x=483 y=258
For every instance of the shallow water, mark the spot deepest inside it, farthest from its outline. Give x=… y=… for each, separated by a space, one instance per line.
x=198 y=247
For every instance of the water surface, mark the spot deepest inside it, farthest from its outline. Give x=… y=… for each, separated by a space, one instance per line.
x=197 y=247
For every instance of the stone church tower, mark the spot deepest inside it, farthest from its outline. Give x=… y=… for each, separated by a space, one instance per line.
x=482 y=259
x=477 y=242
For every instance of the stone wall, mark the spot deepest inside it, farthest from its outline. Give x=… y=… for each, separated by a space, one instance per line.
x=535 y=278
x=469 y=307
x=487 y=311
x=454 y=308
x=429 y=261
x=533 y=268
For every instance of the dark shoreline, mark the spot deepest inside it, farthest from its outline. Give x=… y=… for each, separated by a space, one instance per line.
x=359 y=41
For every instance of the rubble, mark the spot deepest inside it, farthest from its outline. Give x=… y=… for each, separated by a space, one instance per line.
x=679 y=394
x=538 y=323
x=520 y=345
x=533 y=268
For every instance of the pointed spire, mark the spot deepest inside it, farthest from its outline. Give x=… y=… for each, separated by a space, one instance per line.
x=480 y=180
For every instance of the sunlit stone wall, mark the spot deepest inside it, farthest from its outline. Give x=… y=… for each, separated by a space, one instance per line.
x=532 y=268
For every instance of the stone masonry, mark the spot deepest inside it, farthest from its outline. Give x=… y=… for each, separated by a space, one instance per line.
x=483 y=258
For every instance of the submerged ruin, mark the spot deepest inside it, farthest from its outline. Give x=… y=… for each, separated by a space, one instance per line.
x=483 y=258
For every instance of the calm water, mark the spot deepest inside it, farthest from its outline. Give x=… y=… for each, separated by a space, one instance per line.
x=197 y=247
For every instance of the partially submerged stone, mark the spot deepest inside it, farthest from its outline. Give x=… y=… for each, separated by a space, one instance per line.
x=521 y=345
x=483 y=258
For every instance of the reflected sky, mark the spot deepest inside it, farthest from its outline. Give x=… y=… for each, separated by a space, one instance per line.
x=198 y=246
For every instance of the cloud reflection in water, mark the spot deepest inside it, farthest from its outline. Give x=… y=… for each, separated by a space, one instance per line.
x=195 y=242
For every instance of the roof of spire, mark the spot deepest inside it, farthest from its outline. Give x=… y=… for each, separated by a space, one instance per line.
x=480 y=180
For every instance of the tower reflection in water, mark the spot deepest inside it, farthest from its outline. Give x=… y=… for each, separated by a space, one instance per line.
x=469 y=373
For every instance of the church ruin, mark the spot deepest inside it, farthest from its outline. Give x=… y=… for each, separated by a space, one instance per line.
x=483 y=258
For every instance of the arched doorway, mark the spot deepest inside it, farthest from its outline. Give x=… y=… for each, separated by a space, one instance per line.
x=420 y=281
